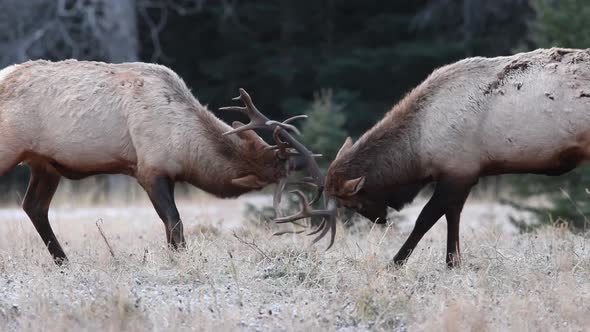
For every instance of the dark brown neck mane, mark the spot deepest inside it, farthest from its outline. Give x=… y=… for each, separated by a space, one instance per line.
x=396 y=177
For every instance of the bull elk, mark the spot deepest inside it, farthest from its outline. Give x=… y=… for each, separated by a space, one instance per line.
x=525 y=113
x=78 y=118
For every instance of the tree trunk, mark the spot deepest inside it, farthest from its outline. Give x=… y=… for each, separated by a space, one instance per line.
x=120 y=36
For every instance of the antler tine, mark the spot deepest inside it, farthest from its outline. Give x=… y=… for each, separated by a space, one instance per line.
x=290 y=219
x=303 y=200
x=240 y=109
x=318 y=229
x=249 y=126
x=332 y=233
x=304 y=212
x=328 y=223
x=310 y=181
x=317 y=197
x=312 y=166
x=257 y=119
x=247 y=100
x=325 y=228
x=284 y=126
x=277 y=196
x=296 y=117
x=281 y=145
x=291 y=151
x=253 y=112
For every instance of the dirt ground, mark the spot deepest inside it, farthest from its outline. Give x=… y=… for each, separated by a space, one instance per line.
x=237 y=276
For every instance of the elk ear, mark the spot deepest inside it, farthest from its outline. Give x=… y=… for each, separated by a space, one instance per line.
x=353 y=186
x=347 y=144
x=249 y=181
x=242 y=134
x=236 y=124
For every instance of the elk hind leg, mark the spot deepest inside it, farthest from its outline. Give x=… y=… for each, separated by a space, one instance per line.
x=456 y=200
x=42 y=186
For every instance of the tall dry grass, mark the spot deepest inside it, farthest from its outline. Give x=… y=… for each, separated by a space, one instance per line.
x=245 y=279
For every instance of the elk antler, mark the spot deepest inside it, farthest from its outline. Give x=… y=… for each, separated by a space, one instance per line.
x=257 y=119
x=328 y=218
x=283 y=148
x=283 y=139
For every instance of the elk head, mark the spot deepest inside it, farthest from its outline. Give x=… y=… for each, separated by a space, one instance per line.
x=287 y=153
x=346 y=183
x=295 y=155
x=260 y=165
x=345 y=187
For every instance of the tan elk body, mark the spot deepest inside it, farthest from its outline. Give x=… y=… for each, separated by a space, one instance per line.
x=526 y=113
x=76 y=118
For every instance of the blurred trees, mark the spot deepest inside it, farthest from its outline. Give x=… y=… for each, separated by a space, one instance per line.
x=372 y=51
x=561 y=23
x=100 y=30
x=285 y=51
x=323 y=130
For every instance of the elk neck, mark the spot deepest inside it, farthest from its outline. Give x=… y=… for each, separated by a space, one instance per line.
x=388 y=155
x=212 y=160
x=389 y=152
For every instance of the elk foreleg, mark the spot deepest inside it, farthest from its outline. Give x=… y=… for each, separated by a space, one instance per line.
x=429 y=215
x=160 y=189
x=448 y=198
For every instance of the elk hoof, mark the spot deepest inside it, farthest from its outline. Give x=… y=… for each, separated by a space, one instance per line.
x=453 y=261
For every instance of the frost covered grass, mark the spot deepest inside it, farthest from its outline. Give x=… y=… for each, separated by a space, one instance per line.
x=243 y=278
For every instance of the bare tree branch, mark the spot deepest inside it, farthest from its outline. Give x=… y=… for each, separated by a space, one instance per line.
x=84 y=29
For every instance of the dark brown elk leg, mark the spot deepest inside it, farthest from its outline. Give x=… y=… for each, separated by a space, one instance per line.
x=448 y=195
x=42 y=187
x=161 y=192
x=453 y=215
x=453 y=255
x=429 y=215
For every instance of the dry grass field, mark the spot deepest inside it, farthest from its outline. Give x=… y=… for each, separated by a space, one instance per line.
x=236 y=276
